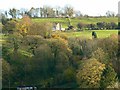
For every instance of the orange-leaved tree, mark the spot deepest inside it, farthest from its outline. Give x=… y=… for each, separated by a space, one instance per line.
x=24 y=25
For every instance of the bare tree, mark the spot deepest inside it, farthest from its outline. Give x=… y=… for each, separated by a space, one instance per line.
x=41 y=12
x=13 y=12
x=78 y=14
x=58 y=11
x=48 y=11
x=44 y=10
x=110 y=14
x=69 y=10
x=37 y=11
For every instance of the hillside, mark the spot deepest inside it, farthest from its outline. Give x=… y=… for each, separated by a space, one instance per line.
x=75 y=21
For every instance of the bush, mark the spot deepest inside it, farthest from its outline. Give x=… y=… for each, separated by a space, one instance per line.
x=91 y=26
x=80 y=26
x=101 y=25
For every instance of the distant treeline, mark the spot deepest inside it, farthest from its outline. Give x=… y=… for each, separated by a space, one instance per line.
x=47 y=11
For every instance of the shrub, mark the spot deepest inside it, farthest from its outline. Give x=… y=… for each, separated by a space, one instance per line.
x=113 y=25
x=59 y=35
x=101 y=25
x=91 y=26
x=80 y=26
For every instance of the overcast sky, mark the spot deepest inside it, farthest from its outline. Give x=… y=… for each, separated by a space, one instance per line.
x=90 y=7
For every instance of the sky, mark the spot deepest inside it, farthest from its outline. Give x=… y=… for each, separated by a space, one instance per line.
x=90 y=7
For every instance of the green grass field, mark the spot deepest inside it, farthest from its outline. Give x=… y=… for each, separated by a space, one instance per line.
x=83 y=34
x=75 y=21
x=88 y=34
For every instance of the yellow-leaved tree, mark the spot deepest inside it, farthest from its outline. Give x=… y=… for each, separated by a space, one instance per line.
x=24 y=25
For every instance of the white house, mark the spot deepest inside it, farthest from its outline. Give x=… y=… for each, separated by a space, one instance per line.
x=57 y=26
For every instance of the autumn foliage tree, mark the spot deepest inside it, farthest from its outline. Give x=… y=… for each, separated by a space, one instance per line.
x=24 y=25
x=93 y=74
x=89 y=74
x=42 y=29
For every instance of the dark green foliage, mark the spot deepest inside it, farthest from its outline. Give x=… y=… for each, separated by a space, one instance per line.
x=33 y=42
x=91 y=26
x=110 y=46
x=109 y=78
x=97 y=26
x=100 y=55
x=80 y=26
x=4 y=20
x=6 y=73
x=94 y=34
x=69 y=75
x=101 y=25
x=9 y=27
x=88 y=46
